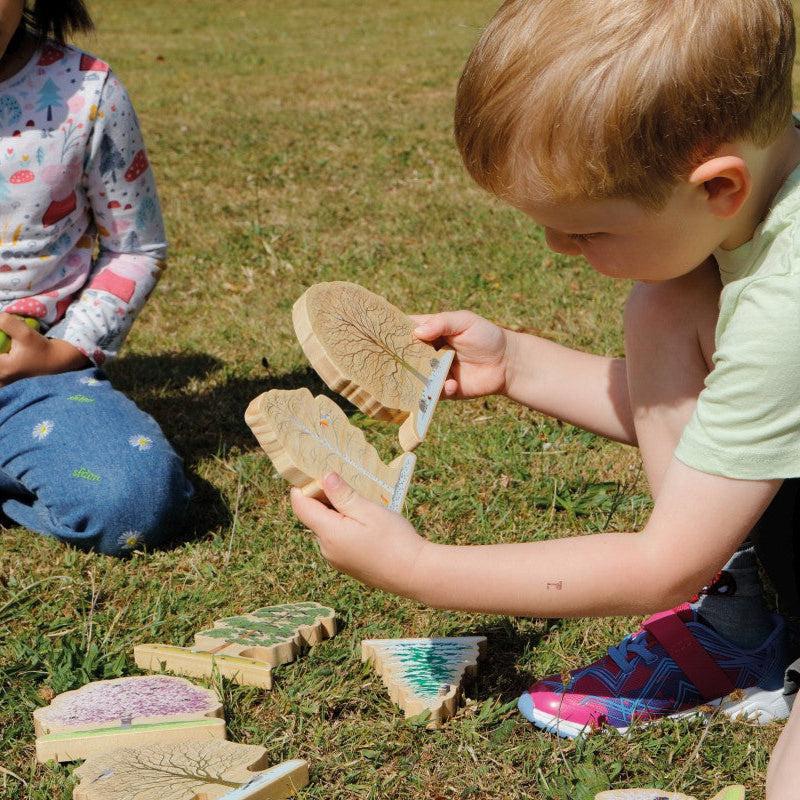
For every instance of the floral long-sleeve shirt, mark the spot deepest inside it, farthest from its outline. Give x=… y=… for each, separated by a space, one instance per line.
x=82 y=241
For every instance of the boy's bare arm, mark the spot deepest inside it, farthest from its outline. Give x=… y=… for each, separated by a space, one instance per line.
x=699 y=520
x=587 y=390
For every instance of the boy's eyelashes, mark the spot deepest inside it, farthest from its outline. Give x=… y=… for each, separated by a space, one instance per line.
x=583 y=237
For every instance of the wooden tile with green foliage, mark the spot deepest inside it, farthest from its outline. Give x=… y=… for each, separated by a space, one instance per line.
x=307 y=141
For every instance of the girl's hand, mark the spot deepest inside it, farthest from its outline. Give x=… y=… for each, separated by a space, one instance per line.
x=481 y=365
x=376 y=546
x=33 y=354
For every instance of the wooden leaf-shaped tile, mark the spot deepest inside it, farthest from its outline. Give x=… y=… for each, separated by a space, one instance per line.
x=307 y=437
x=188 y=771
x=138 y=710
x=425 y=674
x=364 y=349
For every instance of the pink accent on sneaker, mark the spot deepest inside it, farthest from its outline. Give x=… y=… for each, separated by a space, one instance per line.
x=584 y=716
x=670 y=631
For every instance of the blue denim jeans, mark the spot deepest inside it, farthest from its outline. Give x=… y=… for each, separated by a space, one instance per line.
x=81 y=462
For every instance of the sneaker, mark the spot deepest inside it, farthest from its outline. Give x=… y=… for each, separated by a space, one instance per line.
x=674 y=666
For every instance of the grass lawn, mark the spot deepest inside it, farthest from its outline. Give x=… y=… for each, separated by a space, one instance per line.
x=297 y=142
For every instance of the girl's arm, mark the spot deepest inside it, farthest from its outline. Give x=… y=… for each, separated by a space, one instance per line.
x=121 y=189
x=698 y=521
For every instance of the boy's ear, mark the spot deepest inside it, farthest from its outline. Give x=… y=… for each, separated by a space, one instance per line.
x=727 y=183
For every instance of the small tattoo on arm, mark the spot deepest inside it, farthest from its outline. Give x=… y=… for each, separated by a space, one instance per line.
x=557 y=585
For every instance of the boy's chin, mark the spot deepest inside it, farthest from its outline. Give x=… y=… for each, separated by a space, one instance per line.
x=614 y=271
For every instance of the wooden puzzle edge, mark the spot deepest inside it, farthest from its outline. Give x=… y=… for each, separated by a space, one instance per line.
x=157 y=658
x=83 y=744
x=294 y=777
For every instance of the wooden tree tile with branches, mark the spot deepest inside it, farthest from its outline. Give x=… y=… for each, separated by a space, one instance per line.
x=189 y=771
x=363 y=347
x=245 y=648
x=141 y=710
x=307 y=437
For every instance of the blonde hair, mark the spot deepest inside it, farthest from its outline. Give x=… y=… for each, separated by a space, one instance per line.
x=619 y=98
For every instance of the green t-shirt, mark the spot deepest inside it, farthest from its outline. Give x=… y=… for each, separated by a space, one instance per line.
x=747 y=421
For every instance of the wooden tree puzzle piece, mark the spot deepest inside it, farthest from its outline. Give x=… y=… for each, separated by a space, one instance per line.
x=306 y=437
x=425 y=674
x=364 y=348
x=214 y=770
x=140 y=710
x=731 y=793
x=245 y=648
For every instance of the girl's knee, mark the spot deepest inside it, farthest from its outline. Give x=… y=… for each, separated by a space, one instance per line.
x=146 y=513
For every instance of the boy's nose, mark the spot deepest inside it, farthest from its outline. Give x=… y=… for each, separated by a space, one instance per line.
x=561 y=243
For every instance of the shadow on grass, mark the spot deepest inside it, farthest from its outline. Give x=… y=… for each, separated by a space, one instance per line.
x=500 y=675
x=203 y=421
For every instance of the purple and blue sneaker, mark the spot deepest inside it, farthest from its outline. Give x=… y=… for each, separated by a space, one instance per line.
x=674 y=666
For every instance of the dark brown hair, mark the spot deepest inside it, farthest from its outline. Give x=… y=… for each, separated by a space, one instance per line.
x=56 y=19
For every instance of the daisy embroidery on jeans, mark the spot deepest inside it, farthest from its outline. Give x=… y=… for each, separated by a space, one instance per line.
x=140 y=441
x=42 y=429
x=90 y=381
x=129 y=539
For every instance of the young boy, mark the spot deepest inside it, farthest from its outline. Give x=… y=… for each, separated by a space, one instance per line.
x=656 y=140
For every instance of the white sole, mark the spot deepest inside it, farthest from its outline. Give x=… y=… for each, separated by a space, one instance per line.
x=755 y=705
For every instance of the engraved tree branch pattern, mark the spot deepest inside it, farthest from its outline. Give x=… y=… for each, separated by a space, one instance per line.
x=372 y=341
x=319 y=438
x=182 y=771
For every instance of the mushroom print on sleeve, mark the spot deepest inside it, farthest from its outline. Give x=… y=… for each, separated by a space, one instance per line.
x=82 y=241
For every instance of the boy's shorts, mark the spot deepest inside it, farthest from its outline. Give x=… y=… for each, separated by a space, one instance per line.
x=777 y=543
x=792 y=682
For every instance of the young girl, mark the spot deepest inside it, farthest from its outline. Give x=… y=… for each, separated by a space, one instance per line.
x=81 y=247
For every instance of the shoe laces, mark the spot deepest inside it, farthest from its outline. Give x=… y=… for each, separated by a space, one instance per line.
x=634 y=645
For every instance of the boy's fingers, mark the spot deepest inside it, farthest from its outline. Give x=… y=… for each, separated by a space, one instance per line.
x=448 y=323
x=312 y=513
x=344 y=498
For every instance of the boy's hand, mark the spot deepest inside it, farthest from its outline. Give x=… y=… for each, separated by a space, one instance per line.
x=376 y=546
x=482 y=360
x=33 y=354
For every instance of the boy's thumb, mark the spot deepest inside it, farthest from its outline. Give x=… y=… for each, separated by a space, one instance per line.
x=446 y=323
x=343 y=497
